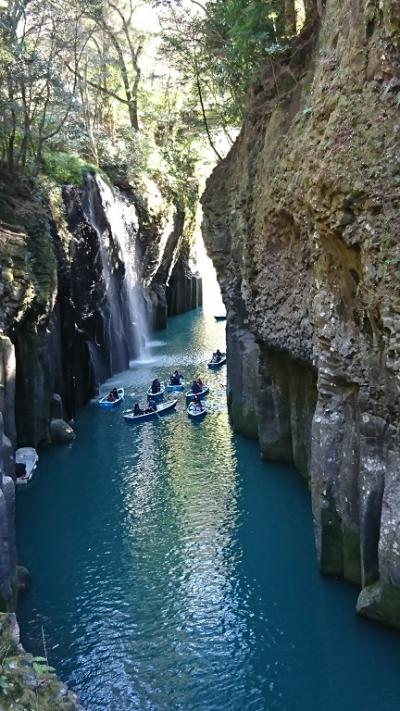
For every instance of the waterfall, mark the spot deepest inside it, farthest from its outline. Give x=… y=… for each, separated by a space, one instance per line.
x=116 y=224
x=124 y=225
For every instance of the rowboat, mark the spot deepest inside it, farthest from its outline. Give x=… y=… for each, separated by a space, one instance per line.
x=26 y=459
x=176 y=388
x=103 y=402
x=163 y=409
x=194 y=411
x=156 y=396
x=220 y=318
x=213 y=364
x=191 y=396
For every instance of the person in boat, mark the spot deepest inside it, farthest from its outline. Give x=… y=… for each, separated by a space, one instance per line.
x=115 y=393
x=111 y=396
x=155 y=386
x=196 y=387
x=152 y=406
x=200 y=383
x=218 y=355
x=197 y=404
x=137 y=410
x=176 y=378
x=20 y=470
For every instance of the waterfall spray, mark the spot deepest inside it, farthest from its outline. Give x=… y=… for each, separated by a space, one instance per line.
x=116 y=224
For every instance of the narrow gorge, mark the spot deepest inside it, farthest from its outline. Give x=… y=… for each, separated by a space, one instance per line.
x=169 y=560
x=85 y=276
x=302 y=224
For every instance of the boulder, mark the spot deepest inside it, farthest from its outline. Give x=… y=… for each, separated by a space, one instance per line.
x=24 y=579
x=61 y=432
x=380 y=602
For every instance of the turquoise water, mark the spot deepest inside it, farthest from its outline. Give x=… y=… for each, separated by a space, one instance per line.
x=174 y=570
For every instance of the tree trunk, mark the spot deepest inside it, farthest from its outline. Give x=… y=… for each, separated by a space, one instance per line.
x=290 y=18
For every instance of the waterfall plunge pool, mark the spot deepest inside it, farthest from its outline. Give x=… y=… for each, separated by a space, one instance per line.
x=172 y=569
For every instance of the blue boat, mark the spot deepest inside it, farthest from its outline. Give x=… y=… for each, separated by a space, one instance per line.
x=103 y=402
x=190 y=395
x=156 y=396
x=176 y=388
x=194 y=411
x=163 y=409
x=213 y=364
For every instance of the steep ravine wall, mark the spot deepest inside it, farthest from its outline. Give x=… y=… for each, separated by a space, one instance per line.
x=61 y=333
x=302 y=223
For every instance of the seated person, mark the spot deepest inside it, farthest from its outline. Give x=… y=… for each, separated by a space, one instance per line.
x=110 y=396
x=218 y=355
x=152 y=406
x=195 y=387
x=20 y=469
x=155 y=386
x=115 y=393
x=197 y=404
x=200 y=383
x=137 y=410
x=176 y=378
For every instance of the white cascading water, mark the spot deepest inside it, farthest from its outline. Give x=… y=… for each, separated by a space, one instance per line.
x=127 y=327
x=124 y=224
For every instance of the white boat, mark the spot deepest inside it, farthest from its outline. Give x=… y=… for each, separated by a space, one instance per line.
x=104 y=402
x=179 y=388
x=190 y=395
x=162 y=409
x=213 y=364
x=196 y=411
x=26 y=459
x=158 y=395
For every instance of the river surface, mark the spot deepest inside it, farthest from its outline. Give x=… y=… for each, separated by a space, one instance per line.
x=173 y=570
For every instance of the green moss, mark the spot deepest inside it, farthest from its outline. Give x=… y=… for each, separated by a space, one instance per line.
x=27 y=683
x=331 y=561
x=278 y=450
x=244 y=422
x=351 y=555
x=66 y=168
x=380 y=602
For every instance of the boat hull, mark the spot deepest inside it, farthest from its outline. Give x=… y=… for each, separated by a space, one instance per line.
x=191 y=396
x=214 y=365
x=108 y=404
x=156 y=396
x=220 y=318
x=196 y=415
x=175 y=388
x=149 y=416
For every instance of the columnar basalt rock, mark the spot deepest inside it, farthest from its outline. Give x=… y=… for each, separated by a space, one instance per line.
x=302 y=223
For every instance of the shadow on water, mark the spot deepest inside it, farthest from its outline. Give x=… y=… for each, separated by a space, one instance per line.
x=174 y=570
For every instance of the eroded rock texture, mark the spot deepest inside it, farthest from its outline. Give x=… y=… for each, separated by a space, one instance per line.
x=302 y=223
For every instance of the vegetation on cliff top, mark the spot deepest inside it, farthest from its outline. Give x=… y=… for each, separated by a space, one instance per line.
x=125 y=85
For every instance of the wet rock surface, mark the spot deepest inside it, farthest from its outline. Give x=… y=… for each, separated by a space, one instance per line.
x=302 y=223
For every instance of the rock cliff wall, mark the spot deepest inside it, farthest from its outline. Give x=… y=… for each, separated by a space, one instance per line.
x=302 y=223
x=84 y=273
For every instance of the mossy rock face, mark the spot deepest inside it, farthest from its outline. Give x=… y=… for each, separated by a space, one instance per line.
x=351 y=556
x=380 y=602
x=331 y=560
x=244 y=422
x=28 y=683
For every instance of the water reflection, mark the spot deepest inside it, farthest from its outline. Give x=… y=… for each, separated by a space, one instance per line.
x=174 y=570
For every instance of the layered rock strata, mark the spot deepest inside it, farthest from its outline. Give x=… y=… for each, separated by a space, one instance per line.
x=302 y=223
